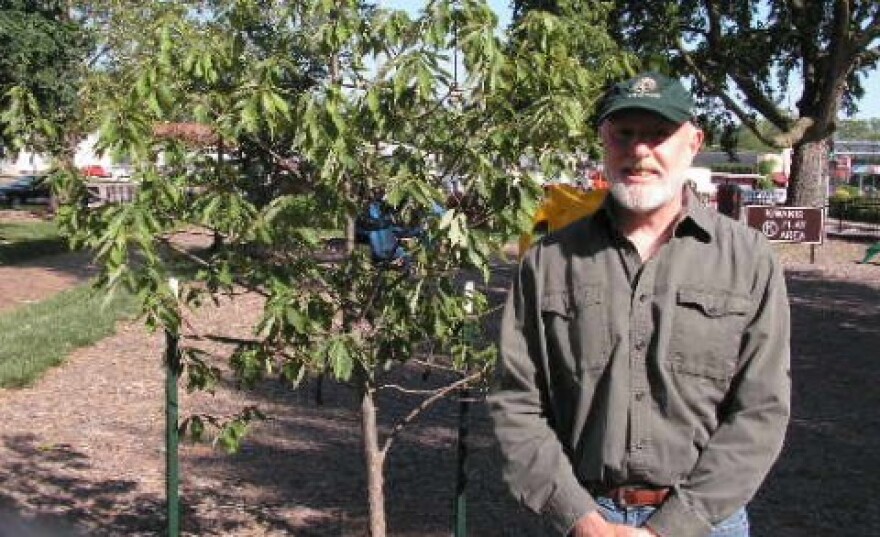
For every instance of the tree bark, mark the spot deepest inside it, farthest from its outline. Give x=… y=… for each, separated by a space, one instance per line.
x=809 y=170
x=375 y=460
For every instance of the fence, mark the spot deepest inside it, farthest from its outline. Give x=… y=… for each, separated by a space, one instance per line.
x=104 y=192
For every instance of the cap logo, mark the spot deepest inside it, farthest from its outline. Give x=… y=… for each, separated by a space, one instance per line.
x=644 y=86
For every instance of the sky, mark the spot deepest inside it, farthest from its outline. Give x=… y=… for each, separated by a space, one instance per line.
x=869 y=105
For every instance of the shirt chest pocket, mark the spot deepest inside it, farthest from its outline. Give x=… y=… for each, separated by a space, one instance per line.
x=576 y=328
x=706 y=333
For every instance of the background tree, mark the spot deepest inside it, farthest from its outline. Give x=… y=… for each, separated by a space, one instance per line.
x=746 y=138
x=749 y=55
x=335 y=102
x=522 y=7
x=581 y=38
x=43 y=59
x=859 y=129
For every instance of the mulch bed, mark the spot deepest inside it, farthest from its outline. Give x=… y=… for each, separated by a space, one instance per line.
x=82 y=451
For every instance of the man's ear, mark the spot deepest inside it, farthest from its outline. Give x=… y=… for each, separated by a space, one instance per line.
x=697 y=137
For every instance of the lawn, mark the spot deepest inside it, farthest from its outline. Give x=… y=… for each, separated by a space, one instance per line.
x=21 y=241
x=38 y=336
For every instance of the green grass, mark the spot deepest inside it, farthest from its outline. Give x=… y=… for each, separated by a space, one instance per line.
x=23 y=241
x=38 y=336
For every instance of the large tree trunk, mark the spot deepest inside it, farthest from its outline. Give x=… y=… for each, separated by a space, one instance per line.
x=375 y=460
x=809 y=174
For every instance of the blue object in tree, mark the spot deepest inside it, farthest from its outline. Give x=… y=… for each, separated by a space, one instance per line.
x=379 y=228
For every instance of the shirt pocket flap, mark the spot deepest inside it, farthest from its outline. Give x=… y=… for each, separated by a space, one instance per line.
x=558 y=303
x=713 y=303
x=565 y=303
x=588 y=295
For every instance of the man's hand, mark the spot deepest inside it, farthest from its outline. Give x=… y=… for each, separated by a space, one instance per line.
x=593 y=525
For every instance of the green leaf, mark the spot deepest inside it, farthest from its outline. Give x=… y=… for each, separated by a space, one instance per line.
x=308 y=235
x=340 y=359
x=294 y=372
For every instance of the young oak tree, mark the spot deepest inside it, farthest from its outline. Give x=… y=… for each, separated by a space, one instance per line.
x=309 y=108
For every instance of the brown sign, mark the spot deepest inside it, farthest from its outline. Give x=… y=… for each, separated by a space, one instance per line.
x=788 y=224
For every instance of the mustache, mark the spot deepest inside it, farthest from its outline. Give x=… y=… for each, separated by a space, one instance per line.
x=639 y=168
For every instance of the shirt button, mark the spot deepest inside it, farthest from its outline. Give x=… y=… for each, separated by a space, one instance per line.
x=643 y=298
x=640 y=344
x=640 y=396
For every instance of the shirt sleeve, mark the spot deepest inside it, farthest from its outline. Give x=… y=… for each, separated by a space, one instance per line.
x=535 y=465
x=754 y=417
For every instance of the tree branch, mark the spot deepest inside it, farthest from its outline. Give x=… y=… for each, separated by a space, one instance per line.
x=728 y=101
x=794 y=134
x=868 y=56
x=837 y=67
x=867 y=35
x=198 y=260
x=437 y=396
x=714 y=34
x=408 y=391
x=863 y=40
x=432 y=365
x=757 y=100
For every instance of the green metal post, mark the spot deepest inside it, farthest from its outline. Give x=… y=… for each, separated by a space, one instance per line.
x=461 y=476
x=172 y=475
x=463 y=428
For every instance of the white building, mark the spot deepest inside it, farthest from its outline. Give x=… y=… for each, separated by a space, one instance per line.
x=30 y=163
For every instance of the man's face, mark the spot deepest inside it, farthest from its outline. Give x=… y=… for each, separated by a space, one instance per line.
x=646 y=157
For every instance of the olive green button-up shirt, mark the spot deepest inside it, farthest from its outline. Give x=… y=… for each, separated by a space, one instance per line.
x=673 y=372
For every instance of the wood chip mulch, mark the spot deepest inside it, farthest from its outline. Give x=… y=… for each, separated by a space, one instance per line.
x=82 y=451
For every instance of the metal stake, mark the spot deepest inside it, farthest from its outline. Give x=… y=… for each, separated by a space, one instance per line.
x=172 y=475
x=463 y=428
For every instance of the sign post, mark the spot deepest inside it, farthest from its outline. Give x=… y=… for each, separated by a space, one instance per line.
x=804 y=225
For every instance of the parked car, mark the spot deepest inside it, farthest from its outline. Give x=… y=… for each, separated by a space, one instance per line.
x=27 y=189
x=95 y=170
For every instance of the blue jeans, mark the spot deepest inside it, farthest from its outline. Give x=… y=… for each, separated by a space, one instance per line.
x=737 y=525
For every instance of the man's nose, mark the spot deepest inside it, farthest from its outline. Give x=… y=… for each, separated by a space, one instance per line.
x=640 y=147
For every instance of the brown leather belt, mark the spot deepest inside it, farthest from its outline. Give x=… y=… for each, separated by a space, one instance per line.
x=637 y=497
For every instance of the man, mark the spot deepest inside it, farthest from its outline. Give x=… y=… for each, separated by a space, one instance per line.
x=644 y=379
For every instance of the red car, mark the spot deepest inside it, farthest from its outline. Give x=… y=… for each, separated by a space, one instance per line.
x=94 y=170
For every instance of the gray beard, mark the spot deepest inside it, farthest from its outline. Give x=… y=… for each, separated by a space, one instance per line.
x=644 y=198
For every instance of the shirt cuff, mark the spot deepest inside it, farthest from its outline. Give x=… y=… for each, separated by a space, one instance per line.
x=677 y=519
x=569 y=503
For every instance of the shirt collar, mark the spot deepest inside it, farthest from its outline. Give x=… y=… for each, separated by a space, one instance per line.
x=695 y=219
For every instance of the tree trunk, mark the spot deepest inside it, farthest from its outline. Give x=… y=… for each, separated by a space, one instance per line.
x=809 y=171
x=375 y=460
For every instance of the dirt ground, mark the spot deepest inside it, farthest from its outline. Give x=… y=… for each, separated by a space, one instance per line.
x=35 y=280
x=82 y=451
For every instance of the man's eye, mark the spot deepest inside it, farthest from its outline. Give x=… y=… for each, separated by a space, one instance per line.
x=625 y=135
x=650 y=136
x=660 y=135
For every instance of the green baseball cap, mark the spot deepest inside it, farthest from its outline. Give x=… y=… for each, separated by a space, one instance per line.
x=652 y=92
